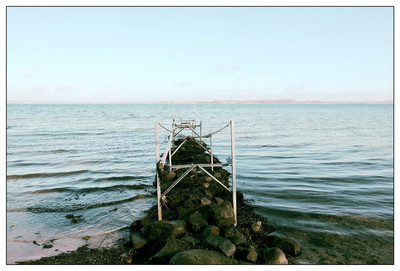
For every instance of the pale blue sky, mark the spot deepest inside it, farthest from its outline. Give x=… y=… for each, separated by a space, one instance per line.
x=177 y=54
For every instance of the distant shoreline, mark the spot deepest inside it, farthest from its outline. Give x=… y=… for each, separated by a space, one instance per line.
x=205 y=102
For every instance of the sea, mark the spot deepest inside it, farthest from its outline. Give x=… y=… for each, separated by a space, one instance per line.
x=322 y=174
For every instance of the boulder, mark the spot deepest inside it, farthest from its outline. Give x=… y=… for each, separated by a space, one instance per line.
x=162 y=230
x=208 y=193
x=222 y=244
x=172 y=247
x=246 y=254
x=170 y=175
x=245 y=231
x=223 y=214
x=201 y=256
x=205 y=201
x=217 y=175
x=273 y=256
x=235 y=236
x=243 y=262
x=197 y=221
x=184 y=213
x=191 y=239
x=287 y=245
x=138 y=224
x=137 y=239
x=256 y=227
x=210 y=229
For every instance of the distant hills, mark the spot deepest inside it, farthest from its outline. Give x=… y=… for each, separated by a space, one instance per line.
x=203 y=102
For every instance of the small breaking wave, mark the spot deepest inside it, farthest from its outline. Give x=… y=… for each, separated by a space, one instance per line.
x=78 y=207
x=91 y=189
x=45 y=175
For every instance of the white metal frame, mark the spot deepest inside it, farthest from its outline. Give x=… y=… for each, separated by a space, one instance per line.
x=177 y=128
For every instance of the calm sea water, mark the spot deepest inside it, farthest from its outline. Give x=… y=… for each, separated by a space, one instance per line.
x=322 y=173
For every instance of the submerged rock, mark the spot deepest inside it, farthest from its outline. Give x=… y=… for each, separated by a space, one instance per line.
x=201 y=256
x=273 y=256
x=47 y=245
x=287 y=245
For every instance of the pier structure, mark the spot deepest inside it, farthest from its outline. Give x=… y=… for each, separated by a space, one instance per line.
x=180 y=130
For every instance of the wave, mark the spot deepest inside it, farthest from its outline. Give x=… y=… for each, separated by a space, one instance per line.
x=91 y=189
x=120 y=178
x=46 y=175
x=78 y=207
x=319 y=221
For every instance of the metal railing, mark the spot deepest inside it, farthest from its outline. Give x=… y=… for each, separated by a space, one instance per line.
x=170 y=151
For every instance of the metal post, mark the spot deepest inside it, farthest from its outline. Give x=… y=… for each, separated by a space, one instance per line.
x=200 y=130
x=233 y=169
x=194 y=113
x=158 y=179
x=212 y=153
x=173 y=134
x=159 y=197
x=157 y=145
x=170 y=159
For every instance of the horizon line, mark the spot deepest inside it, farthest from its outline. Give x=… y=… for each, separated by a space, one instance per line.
x=280 y=101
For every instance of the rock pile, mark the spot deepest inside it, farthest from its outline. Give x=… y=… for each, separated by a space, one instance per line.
x=198 y=222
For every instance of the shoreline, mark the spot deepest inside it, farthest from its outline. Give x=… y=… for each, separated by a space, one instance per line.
x=23 y=251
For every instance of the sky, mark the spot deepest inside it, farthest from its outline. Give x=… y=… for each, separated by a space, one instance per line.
x=151 y=54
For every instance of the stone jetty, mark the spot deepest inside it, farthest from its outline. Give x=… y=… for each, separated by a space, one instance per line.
x=198 y=221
